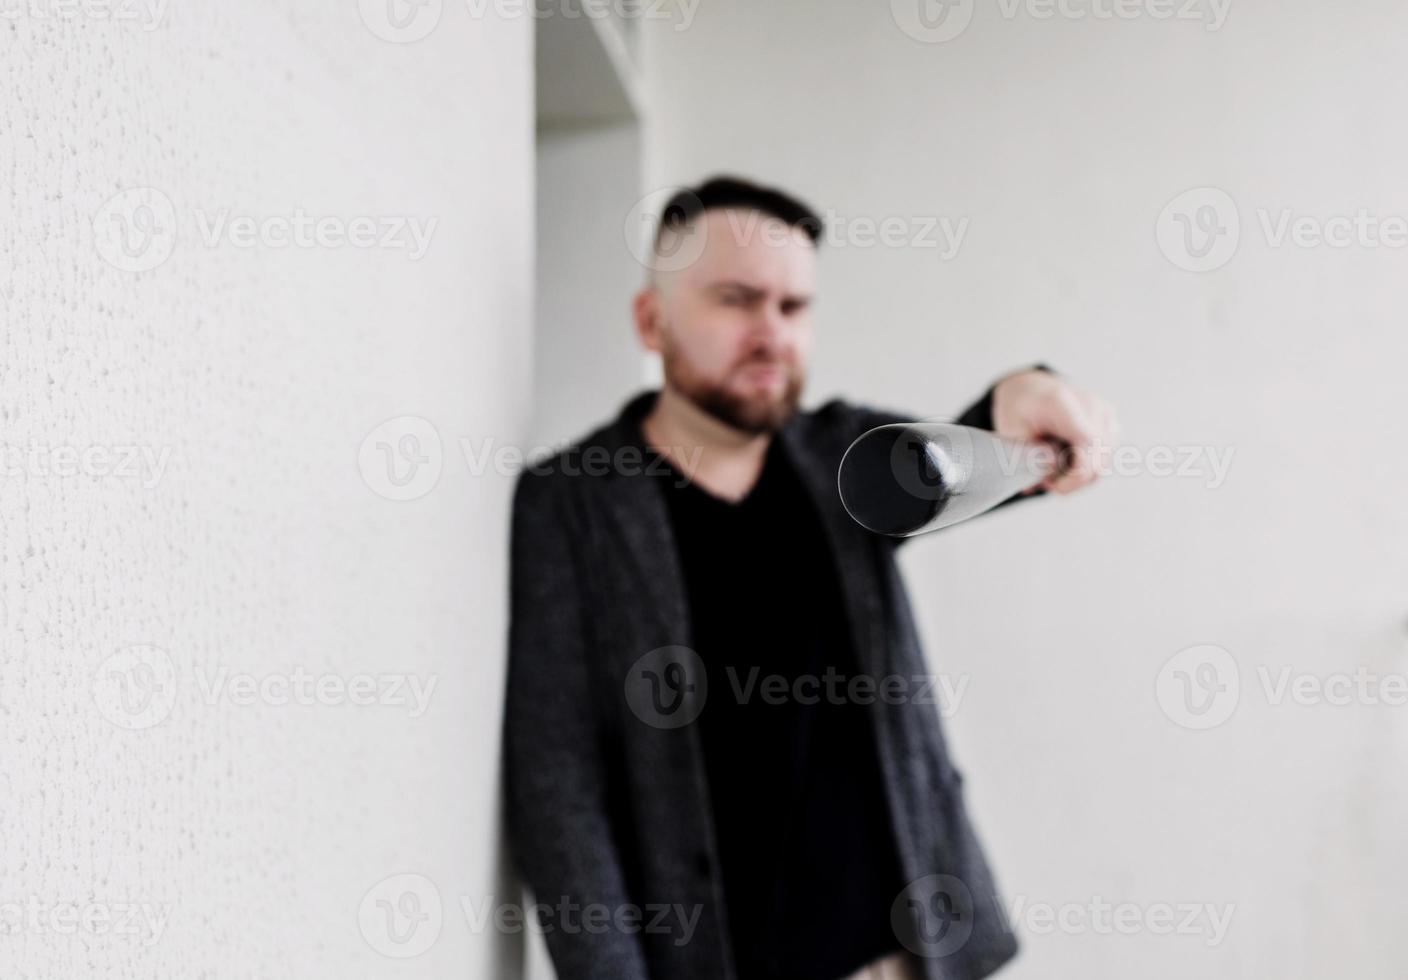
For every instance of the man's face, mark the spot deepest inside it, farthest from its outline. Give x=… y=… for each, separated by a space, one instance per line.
x=734 y=325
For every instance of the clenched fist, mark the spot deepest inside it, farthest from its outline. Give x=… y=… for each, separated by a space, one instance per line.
x=1035 y=405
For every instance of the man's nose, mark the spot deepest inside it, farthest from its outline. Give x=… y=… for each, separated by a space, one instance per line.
x=770 y=326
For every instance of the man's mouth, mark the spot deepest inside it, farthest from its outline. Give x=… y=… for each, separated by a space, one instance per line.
x=764 y=375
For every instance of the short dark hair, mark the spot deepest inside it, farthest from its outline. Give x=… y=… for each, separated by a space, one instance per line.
x=734 y=192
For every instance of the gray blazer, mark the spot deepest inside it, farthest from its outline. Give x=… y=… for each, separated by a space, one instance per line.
x=608 y=808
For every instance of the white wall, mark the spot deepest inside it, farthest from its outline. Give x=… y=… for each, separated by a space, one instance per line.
x=1061 y=140
x=263 y=547
x=586 y=357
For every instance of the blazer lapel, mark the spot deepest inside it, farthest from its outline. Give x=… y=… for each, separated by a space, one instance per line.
x=849 y=546
x=640 y=521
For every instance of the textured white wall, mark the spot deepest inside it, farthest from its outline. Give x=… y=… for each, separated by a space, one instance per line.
x=1061 y=140
x=255 y=832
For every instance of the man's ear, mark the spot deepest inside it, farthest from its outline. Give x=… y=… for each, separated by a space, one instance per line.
x=645 y=308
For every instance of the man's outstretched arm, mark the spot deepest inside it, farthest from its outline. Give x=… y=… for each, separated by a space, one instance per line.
x=554 y=763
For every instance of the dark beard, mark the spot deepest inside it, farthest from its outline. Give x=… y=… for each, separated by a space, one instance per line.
x=733 y=410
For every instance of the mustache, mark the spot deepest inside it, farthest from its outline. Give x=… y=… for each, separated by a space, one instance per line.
x=763 y=362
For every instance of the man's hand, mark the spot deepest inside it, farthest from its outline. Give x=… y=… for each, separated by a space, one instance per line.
x=1031 y=406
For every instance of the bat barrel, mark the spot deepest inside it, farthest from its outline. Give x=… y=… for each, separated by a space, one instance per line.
x=911 y=477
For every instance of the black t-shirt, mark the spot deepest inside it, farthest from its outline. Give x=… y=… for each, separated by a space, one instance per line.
x=807 y=853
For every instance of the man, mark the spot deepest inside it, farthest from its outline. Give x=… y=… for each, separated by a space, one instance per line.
x=688 y=796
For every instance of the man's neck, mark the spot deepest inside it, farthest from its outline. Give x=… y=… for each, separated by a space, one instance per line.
x=721 y=459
